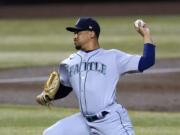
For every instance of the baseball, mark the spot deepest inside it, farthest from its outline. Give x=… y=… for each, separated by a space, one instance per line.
x=139 y=23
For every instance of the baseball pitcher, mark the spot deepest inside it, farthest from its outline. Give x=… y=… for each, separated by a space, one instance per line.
x=93 y=73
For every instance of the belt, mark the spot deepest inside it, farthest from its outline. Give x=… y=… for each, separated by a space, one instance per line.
x=96 y=117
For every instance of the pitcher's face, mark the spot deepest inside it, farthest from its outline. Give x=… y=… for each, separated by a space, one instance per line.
x=81 y=38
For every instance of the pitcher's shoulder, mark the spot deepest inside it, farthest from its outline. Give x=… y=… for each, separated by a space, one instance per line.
x=69 y=58
x=113 y=51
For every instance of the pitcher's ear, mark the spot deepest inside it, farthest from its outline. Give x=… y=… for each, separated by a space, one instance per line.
x=93 y=34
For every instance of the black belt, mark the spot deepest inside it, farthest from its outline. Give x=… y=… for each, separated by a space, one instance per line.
x=96 y=117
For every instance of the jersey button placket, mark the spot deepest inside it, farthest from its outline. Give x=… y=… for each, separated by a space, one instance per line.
x=82 y=91
x=82 y=77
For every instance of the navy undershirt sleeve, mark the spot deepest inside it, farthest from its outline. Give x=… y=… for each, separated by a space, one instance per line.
x=148 y=58
x=62 y=92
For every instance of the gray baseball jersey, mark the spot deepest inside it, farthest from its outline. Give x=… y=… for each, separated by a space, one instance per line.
x=94 y=76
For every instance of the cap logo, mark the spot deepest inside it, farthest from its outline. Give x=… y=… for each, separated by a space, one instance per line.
x=90 y=27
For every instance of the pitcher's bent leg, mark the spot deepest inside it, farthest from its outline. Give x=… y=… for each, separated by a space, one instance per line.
x=74 y=124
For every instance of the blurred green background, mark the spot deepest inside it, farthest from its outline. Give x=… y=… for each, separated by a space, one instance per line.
x=33 y=42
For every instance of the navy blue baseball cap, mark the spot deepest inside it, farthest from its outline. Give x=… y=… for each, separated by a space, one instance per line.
x=85 y=23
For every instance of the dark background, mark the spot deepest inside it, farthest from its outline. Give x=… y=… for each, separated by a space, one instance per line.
x=24 y=2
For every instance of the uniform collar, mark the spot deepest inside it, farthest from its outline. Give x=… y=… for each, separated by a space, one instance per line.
x=82 y=53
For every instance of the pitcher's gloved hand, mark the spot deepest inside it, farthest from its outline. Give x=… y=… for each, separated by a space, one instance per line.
x=50 y=89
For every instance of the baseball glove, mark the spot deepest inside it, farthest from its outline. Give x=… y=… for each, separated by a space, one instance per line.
x=50 y=89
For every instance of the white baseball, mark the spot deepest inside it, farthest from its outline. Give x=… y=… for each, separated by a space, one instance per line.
x=139 y=23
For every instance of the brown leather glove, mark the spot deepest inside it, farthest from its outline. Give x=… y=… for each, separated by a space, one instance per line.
x=50 y=89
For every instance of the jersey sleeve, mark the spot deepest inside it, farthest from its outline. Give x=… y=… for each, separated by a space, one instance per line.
x=127 y=63
x=63 y=70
